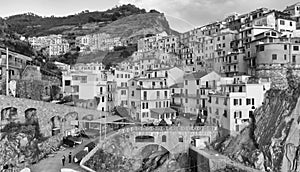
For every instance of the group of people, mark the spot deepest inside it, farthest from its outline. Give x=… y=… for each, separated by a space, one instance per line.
x=63 y=160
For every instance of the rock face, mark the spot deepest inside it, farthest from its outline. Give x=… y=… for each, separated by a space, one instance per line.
x=138 y=25
x=119 y=154
x=272 y=141
x=21 y=145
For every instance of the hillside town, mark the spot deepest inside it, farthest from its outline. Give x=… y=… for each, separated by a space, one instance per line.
x=212 y=78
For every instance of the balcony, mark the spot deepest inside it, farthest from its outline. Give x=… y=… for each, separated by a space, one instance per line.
x=249 y=58
x=229 y=62
x=176 y=104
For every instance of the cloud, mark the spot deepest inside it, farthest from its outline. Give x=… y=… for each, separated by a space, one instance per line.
x=199 y=12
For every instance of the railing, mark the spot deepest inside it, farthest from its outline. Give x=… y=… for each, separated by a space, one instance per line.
x=171 y=128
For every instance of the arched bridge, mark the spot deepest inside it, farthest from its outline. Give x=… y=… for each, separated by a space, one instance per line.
x=175 y=139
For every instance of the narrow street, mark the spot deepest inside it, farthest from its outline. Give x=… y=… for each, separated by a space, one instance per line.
x=54 y=164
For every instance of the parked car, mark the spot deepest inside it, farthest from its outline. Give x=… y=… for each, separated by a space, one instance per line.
x=89 y=146
x=78 y=157
x=72 y=141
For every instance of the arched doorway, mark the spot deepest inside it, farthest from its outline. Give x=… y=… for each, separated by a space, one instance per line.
x=9 y=114
x=56 y=125
x=31 y=116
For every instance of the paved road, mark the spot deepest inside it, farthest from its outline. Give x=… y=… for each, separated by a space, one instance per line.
x=54 y=164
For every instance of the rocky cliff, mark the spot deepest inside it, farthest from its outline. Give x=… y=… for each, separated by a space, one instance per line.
x=138 y=25
x=119 y=154
x=272 y=141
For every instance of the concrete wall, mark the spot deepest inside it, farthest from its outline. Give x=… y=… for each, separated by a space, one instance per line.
x=172 y=135
x=45 y=111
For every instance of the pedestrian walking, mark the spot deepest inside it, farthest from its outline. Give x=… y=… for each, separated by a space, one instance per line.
x=70 y=157
x=63 y=160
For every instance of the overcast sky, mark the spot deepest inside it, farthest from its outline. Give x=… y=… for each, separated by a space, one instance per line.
x=181 y=14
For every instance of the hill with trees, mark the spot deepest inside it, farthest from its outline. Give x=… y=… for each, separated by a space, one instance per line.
x=29 y=24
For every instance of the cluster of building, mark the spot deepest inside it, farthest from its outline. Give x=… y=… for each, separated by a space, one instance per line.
x=53 y=44
x=209 y=72
x=19 y=75
x=98 y=41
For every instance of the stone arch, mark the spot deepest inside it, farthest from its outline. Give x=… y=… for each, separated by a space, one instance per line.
x=144 y=139
x=9 y=114
x=31 y=116
x=56 y=124
x=152 y=147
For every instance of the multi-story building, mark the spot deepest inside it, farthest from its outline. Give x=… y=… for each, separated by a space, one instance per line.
x=232 y=107
x=16 y=63
x=149 y=99
x=271 y=49
x=191 y=96
x=55 y=44
x=89 y=67
x=294 y=11
x=122 y=78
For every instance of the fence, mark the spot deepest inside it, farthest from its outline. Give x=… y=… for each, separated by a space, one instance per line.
x=170 y=129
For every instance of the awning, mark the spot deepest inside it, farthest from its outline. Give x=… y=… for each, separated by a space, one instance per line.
x=109 y=119
x=155 y=112
x=162 y=110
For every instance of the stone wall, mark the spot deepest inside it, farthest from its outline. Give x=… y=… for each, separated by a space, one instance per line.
x=277 y=74
x=46 y=111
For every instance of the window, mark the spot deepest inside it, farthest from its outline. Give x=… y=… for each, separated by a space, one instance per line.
x=294 y=59
x=291 y=23
x=117 y=75
x=217 y=100
x=186 y=91
x=132 y=93
x=296 y=48
x=103 y=99
x=235 y=101
x=285 y=47
x=248 y=101
x=198 y=101
x=186 y=82
x=197 y=81
x=166 y=94
x=252 y=101
x=145 y=95
x=261 y=48
x=67 y=82
x=123 y=92
x=282 y=22
x=186 y=100
x=225 y=113
x=274 y=56
x=158 y=94
x=240 y=101
x=180 y=139
x=164 y=138
x=285 y=57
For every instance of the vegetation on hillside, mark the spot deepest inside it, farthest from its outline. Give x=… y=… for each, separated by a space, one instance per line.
x=30 y=24
x=118 y=56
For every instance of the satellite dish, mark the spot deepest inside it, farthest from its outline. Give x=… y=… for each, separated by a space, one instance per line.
x=12 y=87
